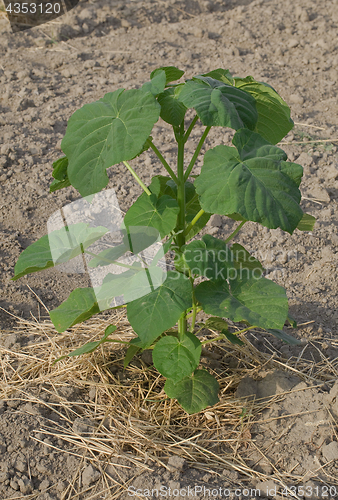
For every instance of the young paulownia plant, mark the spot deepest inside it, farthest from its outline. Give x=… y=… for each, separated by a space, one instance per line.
x=249 y=181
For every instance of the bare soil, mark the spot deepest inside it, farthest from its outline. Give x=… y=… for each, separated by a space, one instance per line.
x=48 y=72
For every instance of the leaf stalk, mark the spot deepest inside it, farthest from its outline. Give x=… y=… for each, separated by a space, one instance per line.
x=237 y=230
x=136 y=177
x=197 y=152
x=163 y=161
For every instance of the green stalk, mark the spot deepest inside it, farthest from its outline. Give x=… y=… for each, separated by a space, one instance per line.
x=138 y=180
x=163 y=161
x=191 y=126
x=181 y=188
x=193 y=222
x=197 y=152
x=194 y=305
x=238 y=228
x=182 y=326
x=182 y=322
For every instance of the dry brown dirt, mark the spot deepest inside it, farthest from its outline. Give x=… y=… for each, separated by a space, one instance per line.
x=46 y=73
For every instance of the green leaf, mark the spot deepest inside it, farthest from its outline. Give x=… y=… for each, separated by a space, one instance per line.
x=160 y=185
x=274 y=120
x=220 y=325
x=171 y=72
x=219 y=104
x=261 y=302
x=145 y=147
x=165 y=185
x=233 y=338
x=209 y=257
x=89 y=346
x=244 y=260
x=223 y=75
x=135 y=241
x=108 y=256
x=306 y=223
x=60 y=175
x=216 y=323
x=60 y=168
x=132 y=284
x=175 y=358
x=106 y=132
x=156 y=84
x=237 y=217
x=280 y=334
x=252 y=180
x=292 y=321
x=154 y=313
x=56 y=185
x=160 y=213
x=194 y=393
x=34 y=258
x=57 y=247
x=172 y=110
x=131 y=352
x=80 y=305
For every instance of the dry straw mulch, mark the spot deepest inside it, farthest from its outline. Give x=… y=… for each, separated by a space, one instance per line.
x=133 y=421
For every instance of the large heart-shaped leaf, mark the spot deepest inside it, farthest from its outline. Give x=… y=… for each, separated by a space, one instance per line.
x=274 y=120
x=159 y=310
x=57 y=247
x=177 y=358
x=194 y=393
x=160 y=213
x=106 y=132
x=261 y=302
x=219 y=104
x=253 y=180
x=208 y=257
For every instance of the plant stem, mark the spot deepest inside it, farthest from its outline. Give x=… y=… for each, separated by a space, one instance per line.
x=193 y=222
x=197 y=152
x=182 y=322
x=134 y=174
x=238 y=228
x=182 y=326
x=191 y=126
x=163 y=161
x=181 y=188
